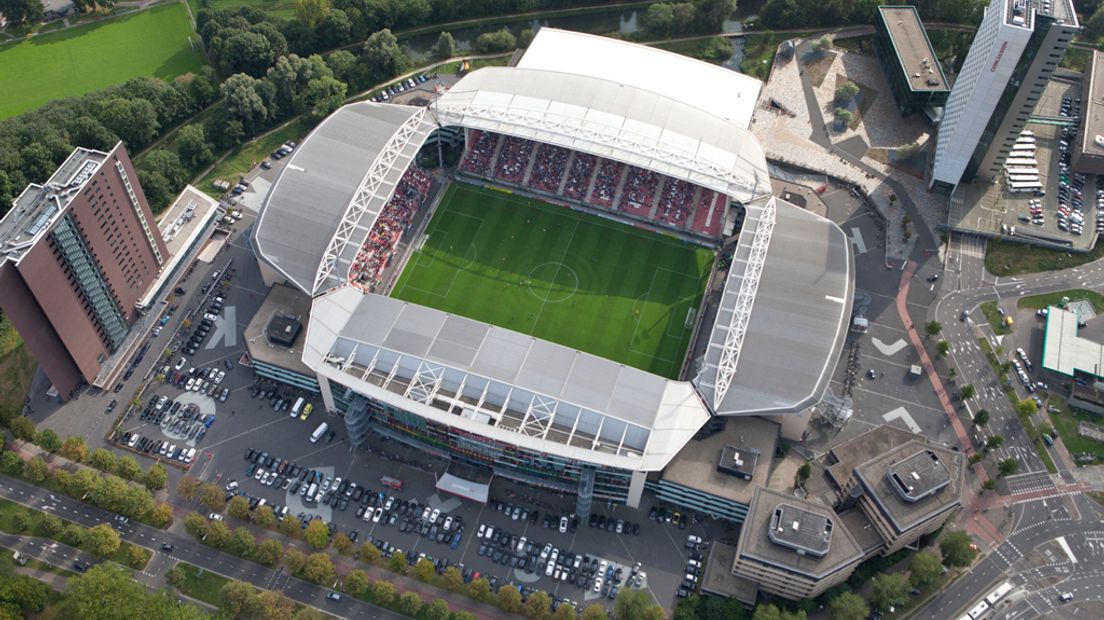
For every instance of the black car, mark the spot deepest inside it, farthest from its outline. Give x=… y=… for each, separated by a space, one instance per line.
x=81 y=566
x=167 y=547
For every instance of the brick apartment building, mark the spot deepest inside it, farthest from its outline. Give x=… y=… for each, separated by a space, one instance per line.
x=76 y=255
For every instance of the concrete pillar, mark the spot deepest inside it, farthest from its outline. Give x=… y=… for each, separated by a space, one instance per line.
x=636 y=489
x=327 y=393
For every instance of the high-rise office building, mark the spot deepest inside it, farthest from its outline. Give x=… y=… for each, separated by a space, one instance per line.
x=1016 y=49
x=76 y=255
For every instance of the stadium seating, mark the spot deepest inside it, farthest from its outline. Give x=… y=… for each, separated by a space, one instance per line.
x=597 y=182
x=395 y=217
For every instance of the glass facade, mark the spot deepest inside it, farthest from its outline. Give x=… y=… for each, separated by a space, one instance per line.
x=285 y=376
x=90 y=280
x=698 y=501
x=531 y=467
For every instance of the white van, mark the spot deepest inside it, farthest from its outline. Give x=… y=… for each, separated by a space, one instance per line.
x=297 y=407
x=319 y=432
x=190 y=456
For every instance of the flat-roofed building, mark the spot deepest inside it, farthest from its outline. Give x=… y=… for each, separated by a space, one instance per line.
x=914 y=73
x=1065 y=351
x=77 y=254
x=275 y=338
x=794 y=548
x=908 y=492
x=1088 y=156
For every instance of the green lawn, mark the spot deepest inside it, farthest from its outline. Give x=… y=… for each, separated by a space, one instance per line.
x=156 y=42
x=578 y=280
x=1052 y=299
x=1005 y=258
x=1066 y=423
x=201 y=584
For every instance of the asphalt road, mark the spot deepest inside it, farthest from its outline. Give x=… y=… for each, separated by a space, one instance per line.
x=188 y=550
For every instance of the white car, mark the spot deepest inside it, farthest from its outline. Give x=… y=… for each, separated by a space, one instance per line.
x=190 y=384
x=563 y=525
x=548 y=569
x=448 y=524
x=179 y=364
x=257 y=475
x=434 y=515
x=482 y=530
x=377 y=515
x=547 y=550
x=214 y=516
x=219 y=377
x=210 y=317
x=597 y=584
x=233 y=485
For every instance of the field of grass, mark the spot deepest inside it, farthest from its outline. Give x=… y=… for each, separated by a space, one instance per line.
x=1066 y=424
x=251 y=153
x=157 y=42
x=1051 y=299
x=200 y=584
x=578 y=280
x=276 y=8
x=1004 y=258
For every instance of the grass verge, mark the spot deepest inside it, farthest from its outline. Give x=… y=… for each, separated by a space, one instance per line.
x=248 y=155
x=1053 y=299
x=11 y=512
x=759 y=50
x=712 y=49
x=201 y=584
x=995 y=319
x=1066 y=425
x=1004 y=258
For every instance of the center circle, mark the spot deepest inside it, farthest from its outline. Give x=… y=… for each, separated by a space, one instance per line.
x=552 y=282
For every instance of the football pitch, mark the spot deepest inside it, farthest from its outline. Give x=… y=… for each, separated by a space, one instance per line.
x=579 y=280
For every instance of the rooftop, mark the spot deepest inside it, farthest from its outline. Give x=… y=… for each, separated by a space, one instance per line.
x=38 y=206
x=924 y=494
x=914 y=50
x=1022 y=13
x=181 y=226
x=718 y=579
x=283 y=304
x=1064 y=351
x=696 y=464
x=851 y=453
x=860 y=527
x=796 y=549
x=1094 y=109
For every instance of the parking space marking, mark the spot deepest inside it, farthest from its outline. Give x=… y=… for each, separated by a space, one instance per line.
x=892 y=348
x=857 y=240
x=900 y=400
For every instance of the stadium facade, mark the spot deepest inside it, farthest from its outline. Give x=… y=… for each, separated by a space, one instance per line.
x=518 y=406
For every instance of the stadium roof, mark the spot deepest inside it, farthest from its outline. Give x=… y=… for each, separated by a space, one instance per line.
x=798 y=317
x=501 y=383
x=719 y=91
x=319 y=184
x=612 y=120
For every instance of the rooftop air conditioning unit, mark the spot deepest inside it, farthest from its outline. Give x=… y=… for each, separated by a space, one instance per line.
x=1099 y=140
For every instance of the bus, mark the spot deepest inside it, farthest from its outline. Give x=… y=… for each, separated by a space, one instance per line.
x=998 y=593
x=319 y=432
x=297 y=407
x=392 y=483
x=978 y=610
x=1021 y=161
x=1022 y=177
x=1024 y=186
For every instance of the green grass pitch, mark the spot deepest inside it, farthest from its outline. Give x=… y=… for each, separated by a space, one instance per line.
x=85 y=58
x=585 y=282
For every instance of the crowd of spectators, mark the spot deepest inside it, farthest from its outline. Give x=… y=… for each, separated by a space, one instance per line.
x=396 y=216
x=480 y=153
x=548 y=169
x=639 y=192
x=513 y=159
x=595 y=181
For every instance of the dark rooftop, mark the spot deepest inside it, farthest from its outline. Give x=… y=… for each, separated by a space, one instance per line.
x=282 y=305
x=698 y=464
x=738 y=462
x=283 y=330
x=914 y=50
x=860 y=449
x=918 y=476
x=804 y=531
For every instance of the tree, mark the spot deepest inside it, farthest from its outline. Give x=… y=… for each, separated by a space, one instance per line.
x=21 y=11
x=268 y=552
x=437 y=610
x=538 y=605
x=445 y=46
x=319 y=568
x=195 y=525
x=479 y=589
x=157 y=477
x=424 y=570
x=11 y=464
x=631 y=604
x=942 y=348
x=102 y=540
x=525 y=37
x=976 y=458
x=565 y=611
x=238 y=507
x=294 y=560
x=1026 y=407
x=1008 y=466
x=187 y=487
x=218 y=534
x=967 y=392
x=356 y=582
x=127 y=468
x=243 y=102
x=133 y=120
x=825 y=44
x=51 y=525
x=324 y=95
x=102 y=459
x=107 y=591
x=924 y=569
x=24 y=594
x=22 y=428
x=311 y=13
x=933 y=328
x=848 y=606
x=846 y=92
x=994 y=442
x=243 y=543
x=272 y=605
x=237 y=596
x=383 y=592
x=988 y=485
x=452 y=579
x=317 y=534
x=290 y=528
x=342 y=63
x=397 y=563
x=136 y=556
x=368 y=553
x=981 y=418
x=658 y=19
x=73 y=535
x=594 y=611
x=264 y=516
x=842 y=116
x=410 y=604
x=957 y=549
x=48 y=440
x=889 y=590
x=191 y=143
x=162 y=515
x=73 y=448
x=35 y=470
x=211 y=496
x=382 y=58
x=497 y=41
x=509 y=599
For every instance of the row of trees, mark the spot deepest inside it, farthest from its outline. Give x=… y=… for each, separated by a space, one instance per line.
x=107 y=592
x=664 y=19
x=799 y=14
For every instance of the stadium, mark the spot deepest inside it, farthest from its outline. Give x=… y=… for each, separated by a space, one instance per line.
x=603 y=271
